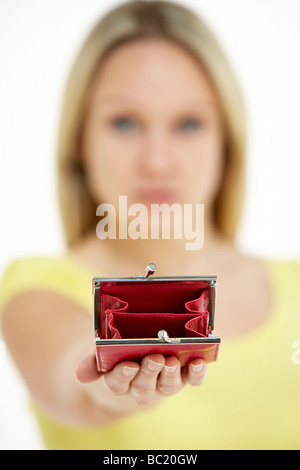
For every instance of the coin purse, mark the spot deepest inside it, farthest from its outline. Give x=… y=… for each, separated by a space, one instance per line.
x=141 y=315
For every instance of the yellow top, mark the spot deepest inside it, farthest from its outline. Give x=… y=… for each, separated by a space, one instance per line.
x=251 y=396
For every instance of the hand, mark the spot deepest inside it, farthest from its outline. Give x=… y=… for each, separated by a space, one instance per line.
x=145 y=383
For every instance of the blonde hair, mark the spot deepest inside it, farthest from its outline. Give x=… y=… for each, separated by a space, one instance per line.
x=137 y=20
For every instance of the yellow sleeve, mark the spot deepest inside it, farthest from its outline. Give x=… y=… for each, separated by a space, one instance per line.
x=59 y=275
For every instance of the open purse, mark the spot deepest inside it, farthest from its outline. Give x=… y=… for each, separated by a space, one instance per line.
x=141 y=315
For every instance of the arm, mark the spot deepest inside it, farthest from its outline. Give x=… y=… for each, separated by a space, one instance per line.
x=51 y=341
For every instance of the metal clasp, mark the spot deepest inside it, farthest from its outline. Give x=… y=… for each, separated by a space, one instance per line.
x=163 y=335
x=150 y=269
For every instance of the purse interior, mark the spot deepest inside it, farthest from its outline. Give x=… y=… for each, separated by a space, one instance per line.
x=141 y=309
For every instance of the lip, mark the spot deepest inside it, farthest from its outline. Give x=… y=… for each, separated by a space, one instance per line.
x=157 y=196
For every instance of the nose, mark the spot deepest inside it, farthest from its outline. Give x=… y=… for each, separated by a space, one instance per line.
x=156 y=157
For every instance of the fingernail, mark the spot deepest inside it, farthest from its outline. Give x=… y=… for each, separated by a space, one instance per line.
x=170 y=369
x=154 y=365
x=128 y=371
x=197 y=368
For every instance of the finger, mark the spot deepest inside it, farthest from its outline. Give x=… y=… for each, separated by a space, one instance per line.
x=118 y=379
x=169 y=381
x=195 y=372
x=87 y=370
x=144 y=384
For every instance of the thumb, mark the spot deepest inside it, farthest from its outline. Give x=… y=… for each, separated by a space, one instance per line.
x=87 y=370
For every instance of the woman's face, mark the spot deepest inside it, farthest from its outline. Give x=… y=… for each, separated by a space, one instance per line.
x=154 y=130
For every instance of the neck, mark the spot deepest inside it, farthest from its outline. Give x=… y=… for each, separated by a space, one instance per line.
x=128 y=257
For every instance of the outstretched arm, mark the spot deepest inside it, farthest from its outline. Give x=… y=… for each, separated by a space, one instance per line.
x=51 y=341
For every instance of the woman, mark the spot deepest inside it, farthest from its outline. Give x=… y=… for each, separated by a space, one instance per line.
x=152 y=111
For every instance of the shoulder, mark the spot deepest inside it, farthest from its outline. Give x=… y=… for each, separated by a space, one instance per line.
x=280 y=274
x=286 y=272
x=60 y=275
x=284 y=277
x=281 y=270
x=274 y=280
x=285 y=266
x=45 y=266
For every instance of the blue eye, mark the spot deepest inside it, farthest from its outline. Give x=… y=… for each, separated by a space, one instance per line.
x=190 y=125
x=124 y=124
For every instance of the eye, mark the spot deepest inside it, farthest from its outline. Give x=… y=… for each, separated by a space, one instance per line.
x=124 y=124
x=190 y=125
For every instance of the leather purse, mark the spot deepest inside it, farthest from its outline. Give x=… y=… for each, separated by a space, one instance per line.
x=141 y=315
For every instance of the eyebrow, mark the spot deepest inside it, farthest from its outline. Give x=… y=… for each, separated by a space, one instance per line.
x=116 y=99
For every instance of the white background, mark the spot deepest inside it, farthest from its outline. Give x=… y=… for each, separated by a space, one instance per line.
x=38 y=41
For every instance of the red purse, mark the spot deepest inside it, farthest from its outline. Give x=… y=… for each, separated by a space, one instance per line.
x=141 y=315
